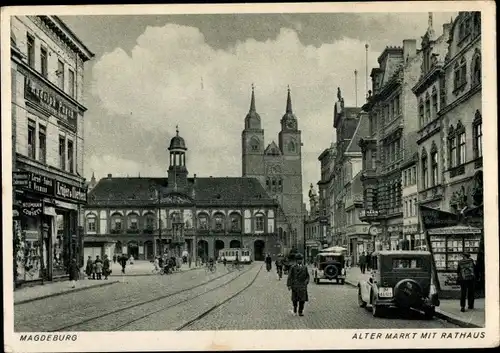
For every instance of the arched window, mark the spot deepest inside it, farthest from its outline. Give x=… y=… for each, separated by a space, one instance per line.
x=91 y=223
x=291 y=146
x=478 y=135
x=268 y=184
x=254 y=144
x=452 y=148
x=259 y=222
x=219 y=222
x=425 y=169
x=280 y=185
x=421 y=114
x=150 y=222
x=427 y=108
x=116 y=223
x=203 y=221
x=133 y=221
x=460 y=132
x=435 y=106
x=456 y=75
x=235 y=222
x=476 y=69
x=434 y=166
x=463 y=71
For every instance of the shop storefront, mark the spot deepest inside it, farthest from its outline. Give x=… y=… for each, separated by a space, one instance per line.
x=45 y=225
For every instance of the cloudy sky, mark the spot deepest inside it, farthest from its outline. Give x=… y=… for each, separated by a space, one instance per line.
x=152 y=72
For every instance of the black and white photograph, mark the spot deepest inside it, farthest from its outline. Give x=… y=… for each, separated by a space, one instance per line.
x=253 y=176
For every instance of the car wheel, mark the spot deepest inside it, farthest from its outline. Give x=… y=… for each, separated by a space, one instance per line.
x=361 y=303
x=429 y=313
x=342 y=281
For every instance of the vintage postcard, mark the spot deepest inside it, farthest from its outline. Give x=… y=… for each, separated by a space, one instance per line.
x=250 y=176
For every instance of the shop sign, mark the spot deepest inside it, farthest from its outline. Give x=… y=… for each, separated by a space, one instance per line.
x=448 y=281
x=368 y=213
x=71 y=192
x=20 y=179
x=432 y=218
x=32 y=209
x=34 y=182
x=38 y=92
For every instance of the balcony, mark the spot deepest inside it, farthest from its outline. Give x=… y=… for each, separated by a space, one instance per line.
x=133 y=231
x=116 y=231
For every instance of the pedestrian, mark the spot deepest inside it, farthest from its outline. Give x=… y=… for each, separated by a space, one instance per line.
x=74 y=273
x=106 y=267
x=368 y=261
x=88 y=268
x=269 y=262
x=279 y=266
x=123 y=262
x=224 y=261
x=114 y=258
x=298 y=279
x=362 y=262
x=466 y=278
x=131 y=259
x=98 y=267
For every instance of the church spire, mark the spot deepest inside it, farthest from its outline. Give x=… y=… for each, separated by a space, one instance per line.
x=252 y=100
x=289 y=102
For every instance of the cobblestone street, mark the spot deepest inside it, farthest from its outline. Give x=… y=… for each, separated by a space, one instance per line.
x=266 y=305
x=197 y=300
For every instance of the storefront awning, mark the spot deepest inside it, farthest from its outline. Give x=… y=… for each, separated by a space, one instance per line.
x=458 y=230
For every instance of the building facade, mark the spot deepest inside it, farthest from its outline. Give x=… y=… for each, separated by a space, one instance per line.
x=278 y=167
x=48 y=142
x=450 y=159
x=351 y=124
x=145 y=217
x=392 y=127
x=313 y=227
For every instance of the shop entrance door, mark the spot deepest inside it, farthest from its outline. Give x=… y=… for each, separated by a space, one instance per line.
x=92 y=252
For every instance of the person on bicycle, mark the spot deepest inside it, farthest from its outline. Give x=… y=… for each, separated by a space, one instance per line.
x=236 y=261
x=211 y=263
x=224 y=261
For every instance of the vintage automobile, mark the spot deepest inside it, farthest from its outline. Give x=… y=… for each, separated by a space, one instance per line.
x=399 y=279
x=330 y=266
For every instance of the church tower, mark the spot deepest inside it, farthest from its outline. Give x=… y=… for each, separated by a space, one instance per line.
x=290 y=144
x=252 y=139
x=177 y=171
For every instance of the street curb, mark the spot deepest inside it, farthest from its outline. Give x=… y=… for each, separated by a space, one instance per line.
x=65 y=292
x=456 y=321
x=441 y=315
x=152 y=274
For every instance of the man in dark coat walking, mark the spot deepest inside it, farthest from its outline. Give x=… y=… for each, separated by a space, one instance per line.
x=362 y=262
x=123 y=262
x=298 y=279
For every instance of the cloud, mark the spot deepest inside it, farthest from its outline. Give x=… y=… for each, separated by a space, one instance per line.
x=159 y=85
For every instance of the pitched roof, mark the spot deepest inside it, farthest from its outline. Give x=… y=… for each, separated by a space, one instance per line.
x=237 y=191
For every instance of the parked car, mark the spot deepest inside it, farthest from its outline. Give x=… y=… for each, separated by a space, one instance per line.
x=402 y=280
x=329 y=266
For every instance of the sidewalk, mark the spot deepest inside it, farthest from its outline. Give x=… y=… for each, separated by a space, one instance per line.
x=52 y=289
x=449 y=309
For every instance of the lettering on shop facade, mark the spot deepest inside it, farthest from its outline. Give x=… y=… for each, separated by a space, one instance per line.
x=35 y=91
x=70 y=192
x=31 y=209
x=47 y=186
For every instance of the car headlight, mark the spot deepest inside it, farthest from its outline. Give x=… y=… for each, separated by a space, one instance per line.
x=343 y=271
x=385 y=292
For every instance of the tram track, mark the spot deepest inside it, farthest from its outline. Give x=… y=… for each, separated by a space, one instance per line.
x=218 y=305
x=120 y=311
x=206 y=312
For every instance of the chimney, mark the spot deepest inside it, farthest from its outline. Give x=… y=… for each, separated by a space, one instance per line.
x=110 y=176
x=409 y=48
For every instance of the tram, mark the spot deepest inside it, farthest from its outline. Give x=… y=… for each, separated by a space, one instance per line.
x=244 y=255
